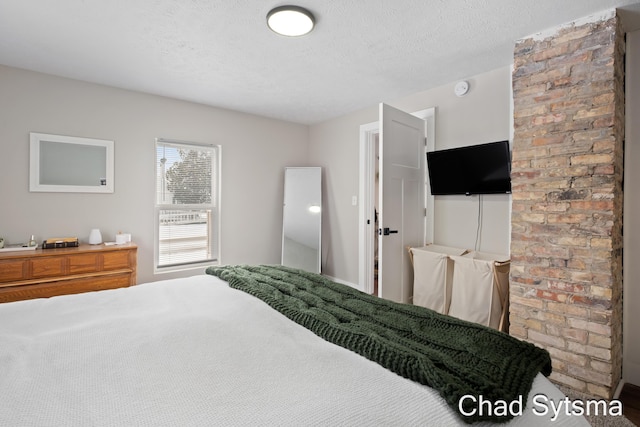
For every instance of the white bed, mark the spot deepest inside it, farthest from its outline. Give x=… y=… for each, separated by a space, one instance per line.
x=194 y=352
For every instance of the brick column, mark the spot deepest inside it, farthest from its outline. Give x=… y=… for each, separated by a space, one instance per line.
x=566 y=240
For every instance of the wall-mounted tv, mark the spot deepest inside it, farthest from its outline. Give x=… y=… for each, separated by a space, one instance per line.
x=476 y=169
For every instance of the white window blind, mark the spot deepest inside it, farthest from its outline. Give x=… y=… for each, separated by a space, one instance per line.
x=187 y=203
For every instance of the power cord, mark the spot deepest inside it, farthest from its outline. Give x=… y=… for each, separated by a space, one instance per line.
x=479 y=227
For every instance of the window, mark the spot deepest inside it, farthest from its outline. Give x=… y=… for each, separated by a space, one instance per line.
x=187 y=204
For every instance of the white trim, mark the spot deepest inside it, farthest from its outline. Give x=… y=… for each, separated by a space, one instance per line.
x=616 y=393
x=429 y=116
x=215 y=207
x=368 y=134
x=344 y=282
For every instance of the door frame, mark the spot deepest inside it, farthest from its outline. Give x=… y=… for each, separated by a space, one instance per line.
x=368 y=140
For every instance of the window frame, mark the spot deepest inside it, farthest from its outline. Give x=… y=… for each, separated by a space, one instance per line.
x=214 y=206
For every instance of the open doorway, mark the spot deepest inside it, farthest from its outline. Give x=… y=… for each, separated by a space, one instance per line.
x=369 y=201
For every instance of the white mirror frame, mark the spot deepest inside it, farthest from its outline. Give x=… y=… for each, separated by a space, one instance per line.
x=302 y=218
x=35 y=184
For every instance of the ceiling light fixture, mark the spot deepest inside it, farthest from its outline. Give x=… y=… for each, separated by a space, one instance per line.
x=292 y=21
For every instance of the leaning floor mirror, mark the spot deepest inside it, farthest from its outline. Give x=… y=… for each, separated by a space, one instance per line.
x=302 y=218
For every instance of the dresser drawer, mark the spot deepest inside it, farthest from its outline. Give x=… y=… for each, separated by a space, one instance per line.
x=116 y=260
x=13 y=270
x=48 y=267
x=63 y=287
x=83 y=263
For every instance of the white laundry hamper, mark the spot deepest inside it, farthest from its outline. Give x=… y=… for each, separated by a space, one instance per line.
x=432 y=276
x=480 y=289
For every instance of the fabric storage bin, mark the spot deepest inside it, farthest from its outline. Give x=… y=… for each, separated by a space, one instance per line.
x=432 y=276
x=480 y=289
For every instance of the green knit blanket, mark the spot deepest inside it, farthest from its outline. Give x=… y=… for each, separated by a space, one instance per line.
x=454 y=357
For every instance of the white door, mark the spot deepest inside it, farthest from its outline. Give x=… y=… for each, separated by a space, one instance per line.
x=402 y=203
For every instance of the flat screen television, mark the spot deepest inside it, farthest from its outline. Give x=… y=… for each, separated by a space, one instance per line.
x=476 y=169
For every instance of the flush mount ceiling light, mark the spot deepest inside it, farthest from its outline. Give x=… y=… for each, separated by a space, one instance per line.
x=292 y=21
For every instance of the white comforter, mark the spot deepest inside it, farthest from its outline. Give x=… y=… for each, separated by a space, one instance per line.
x=193 y=352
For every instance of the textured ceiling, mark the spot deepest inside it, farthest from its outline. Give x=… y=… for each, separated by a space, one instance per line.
x=221 y=53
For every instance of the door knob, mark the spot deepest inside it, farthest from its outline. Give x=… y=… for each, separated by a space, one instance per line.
x=385 y=231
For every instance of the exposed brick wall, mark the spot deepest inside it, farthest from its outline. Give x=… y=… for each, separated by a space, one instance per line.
x=566 y=240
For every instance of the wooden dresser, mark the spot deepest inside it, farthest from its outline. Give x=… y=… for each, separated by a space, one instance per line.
x=43 y=273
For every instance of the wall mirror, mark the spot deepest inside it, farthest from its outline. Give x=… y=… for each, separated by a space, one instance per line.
x=302 y=218
x=70 y=164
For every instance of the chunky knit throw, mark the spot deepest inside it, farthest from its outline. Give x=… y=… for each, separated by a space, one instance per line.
x=455 y=357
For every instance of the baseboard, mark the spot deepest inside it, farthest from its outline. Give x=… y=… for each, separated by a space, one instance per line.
x=616 y=394
x=344 y=282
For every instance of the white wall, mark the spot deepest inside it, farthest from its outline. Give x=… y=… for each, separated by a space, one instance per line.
x=631 y=299
x=255 y=151
x=483 y=115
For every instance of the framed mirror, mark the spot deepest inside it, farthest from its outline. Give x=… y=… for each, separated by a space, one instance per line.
x=302 y=218
x=70 y=164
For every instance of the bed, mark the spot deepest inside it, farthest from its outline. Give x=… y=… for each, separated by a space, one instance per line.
x=199 y=352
